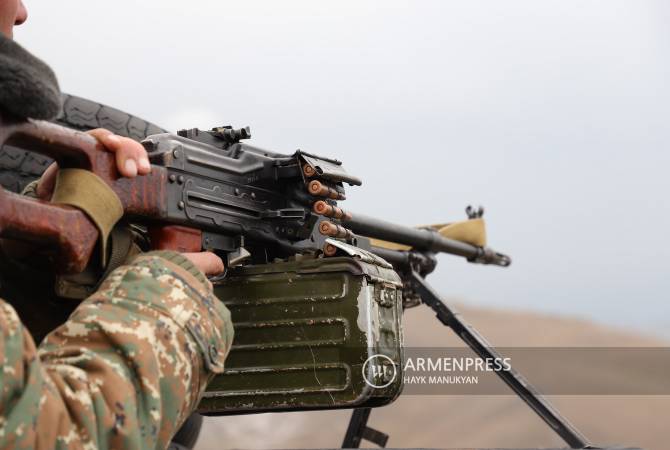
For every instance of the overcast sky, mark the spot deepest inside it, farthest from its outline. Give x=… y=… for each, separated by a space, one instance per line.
x=551 y=114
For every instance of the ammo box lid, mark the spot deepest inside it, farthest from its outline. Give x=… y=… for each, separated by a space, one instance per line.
x=359 y=262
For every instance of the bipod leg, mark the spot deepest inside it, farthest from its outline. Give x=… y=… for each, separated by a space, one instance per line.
x=358 y=430
x=511 y=377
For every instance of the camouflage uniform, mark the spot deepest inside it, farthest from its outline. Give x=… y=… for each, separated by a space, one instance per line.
x=124 y=371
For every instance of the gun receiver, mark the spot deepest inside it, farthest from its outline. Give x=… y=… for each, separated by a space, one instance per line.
x=207 y=190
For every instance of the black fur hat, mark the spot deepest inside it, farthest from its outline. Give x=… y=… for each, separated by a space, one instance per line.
x=28 y=87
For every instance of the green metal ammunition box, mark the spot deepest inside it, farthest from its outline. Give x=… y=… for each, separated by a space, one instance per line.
x=317 y=333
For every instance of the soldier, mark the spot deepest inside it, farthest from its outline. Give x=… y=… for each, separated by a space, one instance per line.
x=132 y=361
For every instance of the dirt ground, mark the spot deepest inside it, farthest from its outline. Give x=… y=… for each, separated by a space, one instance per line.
x=479 y=421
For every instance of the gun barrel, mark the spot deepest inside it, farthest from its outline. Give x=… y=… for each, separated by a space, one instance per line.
x=423 y=240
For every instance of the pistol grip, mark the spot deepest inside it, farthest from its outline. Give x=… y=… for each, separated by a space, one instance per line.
x=175 y=237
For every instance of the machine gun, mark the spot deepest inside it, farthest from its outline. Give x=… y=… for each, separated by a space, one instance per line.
x=266 y=214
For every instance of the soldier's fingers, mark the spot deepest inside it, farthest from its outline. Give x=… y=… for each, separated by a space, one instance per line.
x=45 y=186
x=137 y=153
x=207 y=262
x=131 y=158
x=125 y=165
x=99 y=133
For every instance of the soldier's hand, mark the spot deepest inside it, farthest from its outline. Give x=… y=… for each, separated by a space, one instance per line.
x=131 y=160
x=207 y=262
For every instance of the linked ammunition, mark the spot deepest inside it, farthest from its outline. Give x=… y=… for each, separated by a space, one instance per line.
x=329 y=250
x=308 y=170
x=337 y=231
x=324 y=209
x=318 y=189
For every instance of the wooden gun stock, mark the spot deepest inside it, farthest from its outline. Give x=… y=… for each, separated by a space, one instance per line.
x=69 y=230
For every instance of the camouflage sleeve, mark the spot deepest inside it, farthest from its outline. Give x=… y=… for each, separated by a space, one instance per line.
x=124 y=371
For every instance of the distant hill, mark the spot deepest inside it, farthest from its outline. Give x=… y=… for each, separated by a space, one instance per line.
x=477 y=421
